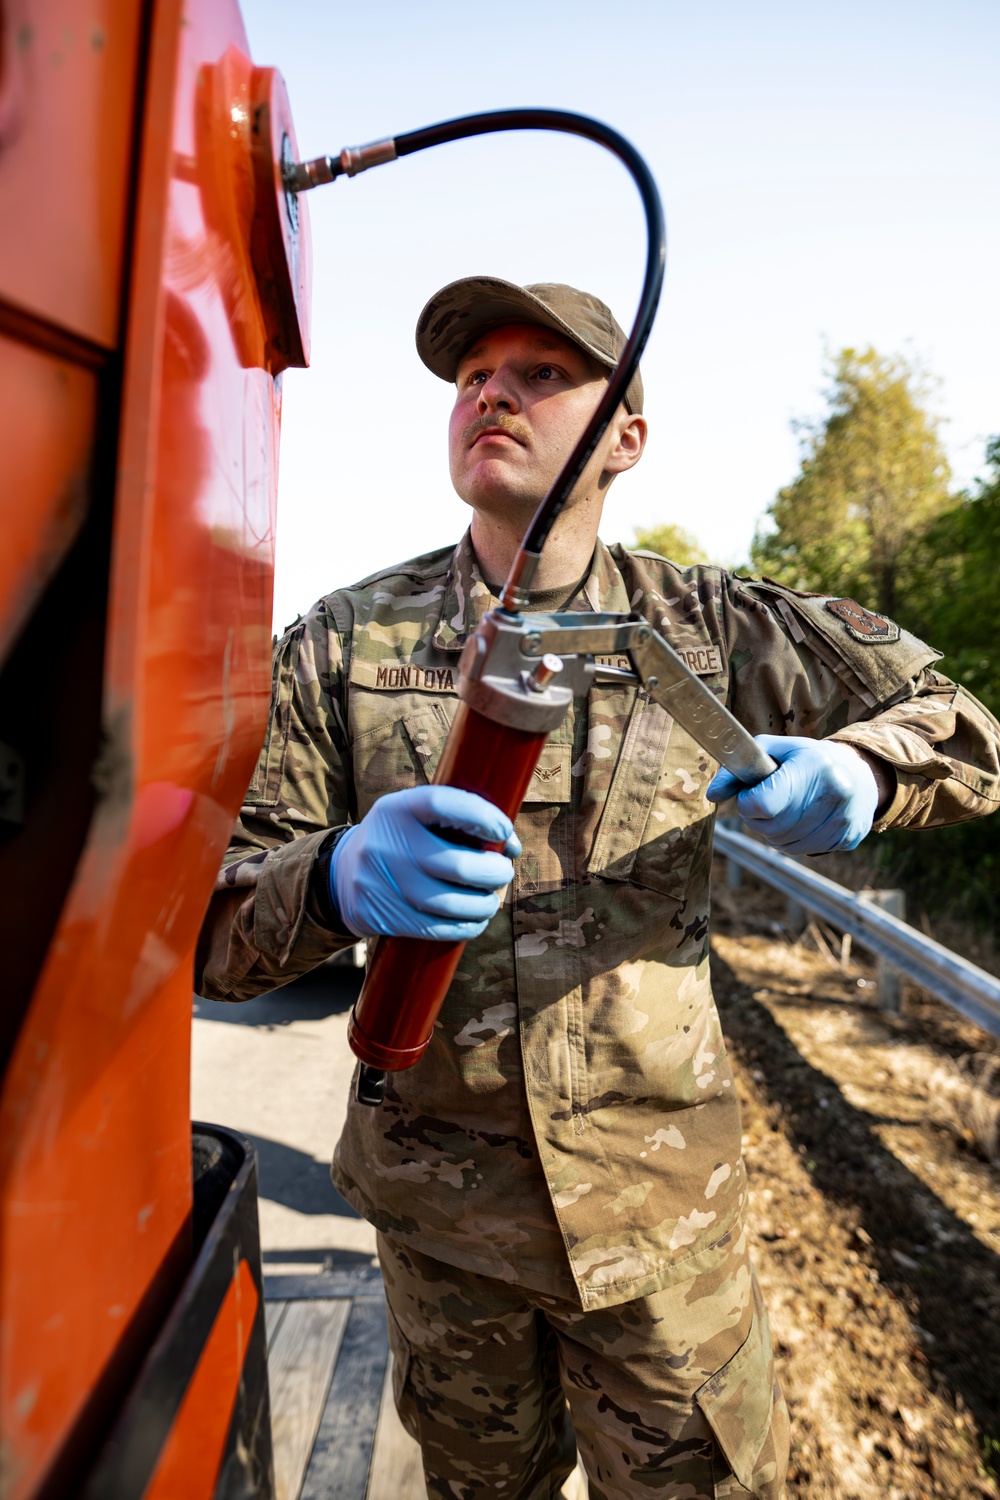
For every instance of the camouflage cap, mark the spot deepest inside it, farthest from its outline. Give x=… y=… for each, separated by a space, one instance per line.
x=455 y=317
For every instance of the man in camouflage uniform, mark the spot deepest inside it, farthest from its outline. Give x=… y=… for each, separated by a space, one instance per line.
x=558 y=1184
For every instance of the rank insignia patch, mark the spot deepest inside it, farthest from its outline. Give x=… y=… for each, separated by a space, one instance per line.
x=863 y=624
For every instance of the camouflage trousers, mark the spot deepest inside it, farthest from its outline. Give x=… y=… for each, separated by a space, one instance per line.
x=673 y=1394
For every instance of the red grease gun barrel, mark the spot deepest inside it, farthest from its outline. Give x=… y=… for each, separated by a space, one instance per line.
x=408 y=978
x=506 y=714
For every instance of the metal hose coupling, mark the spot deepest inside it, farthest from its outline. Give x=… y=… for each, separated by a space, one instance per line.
x=303 y=175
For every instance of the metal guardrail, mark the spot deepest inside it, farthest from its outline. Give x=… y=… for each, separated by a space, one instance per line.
x=946 y=974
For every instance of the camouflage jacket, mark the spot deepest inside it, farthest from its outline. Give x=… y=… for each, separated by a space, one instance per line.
x=573 y=1124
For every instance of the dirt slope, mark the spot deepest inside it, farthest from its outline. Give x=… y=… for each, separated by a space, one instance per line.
x=876 y=1230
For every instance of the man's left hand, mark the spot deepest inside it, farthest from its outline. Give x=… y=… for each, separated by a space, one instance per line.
x=823 y=796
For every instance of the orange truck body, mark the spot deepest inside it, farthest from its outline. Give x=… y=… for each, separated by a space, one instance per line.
x=154 y=282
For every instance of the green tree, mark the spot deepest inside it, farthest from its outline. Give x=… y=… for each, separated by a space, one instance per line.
x=955 y=597
x=873 y=477
x=954 y=602
x=672 y=542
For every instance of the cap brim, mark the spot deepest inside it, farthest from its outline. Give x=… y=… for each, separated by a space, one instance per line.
x=458 y=314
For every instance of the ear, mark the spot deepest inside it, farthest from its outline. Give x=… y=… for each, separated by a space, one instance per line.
x=628 y=442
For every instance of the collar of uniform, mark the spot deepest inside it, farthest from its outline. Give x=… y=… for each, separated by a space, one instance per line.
x=605 y=590
x=466 y=599
x=467 y=595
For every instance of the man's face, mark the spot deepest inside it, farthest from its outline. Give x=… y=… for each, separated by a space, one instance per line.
x=524 y=395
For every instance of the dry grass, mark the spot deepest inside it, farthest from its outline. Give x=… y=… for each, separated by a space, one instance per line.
x=964 y=1095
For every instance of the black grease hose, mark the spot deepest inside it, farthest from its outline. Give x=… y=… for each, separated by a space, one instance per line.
x=355 y=159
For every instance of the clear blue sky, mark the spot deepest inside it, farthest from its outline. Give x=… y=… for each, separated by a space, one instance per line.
x=831 y=176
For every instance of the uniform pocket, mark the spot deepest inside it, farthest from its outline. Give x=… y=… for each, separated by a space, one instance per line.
x=678 y=826
x=397 y=742
x=746 y=1411
x=655 y=820
x=402 y=1360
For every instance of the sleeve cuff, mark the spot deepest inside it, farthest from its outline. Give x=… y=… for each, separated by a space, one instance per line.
x=902 y=748
x=287 y=914
x=320 y=904
x=910 y=756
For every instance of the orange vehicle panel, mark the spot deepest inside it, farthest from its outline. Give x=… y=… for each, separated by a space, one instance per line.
x=46 y=429
x=189 y=1463
x=94 y=1114
x=68 y=77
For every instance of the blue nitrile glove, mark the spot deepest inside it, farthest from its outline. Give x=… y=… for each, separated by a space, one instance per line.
x=821 y=798
x=391 y=873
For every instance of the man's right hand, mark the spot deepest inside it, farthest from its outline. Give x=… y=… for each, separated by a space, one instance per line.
x=394 y=874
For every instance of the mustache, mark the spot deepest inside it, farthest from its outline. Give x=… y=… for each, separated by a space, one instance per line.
x=500 y=419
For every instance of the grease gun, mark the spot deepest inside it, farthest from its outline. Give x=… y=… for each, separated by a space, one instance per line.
x=519 y=673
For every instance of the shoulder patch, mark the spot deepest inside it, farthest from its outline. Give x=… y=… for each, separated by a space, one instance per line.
x=852 y=631
x=862 y=624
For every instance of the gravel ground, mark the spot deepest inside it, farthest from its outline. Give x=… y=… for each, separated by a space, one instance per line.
x=876 y=1223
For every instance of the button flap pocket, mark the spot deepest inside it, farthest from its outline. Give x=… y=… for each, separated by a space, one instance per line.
x=740 y=1403
x=632 y=790
x=655 y=822
x=393 y=749
x=677 y=829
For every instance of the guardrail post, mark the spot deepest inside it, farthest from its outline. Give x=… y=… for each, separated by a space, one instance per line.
x=796 y=916
x=734 y=870
x=887 y=976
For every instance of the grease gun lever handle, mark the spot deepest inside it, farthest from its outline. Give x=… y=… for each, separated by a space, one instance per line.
x=670 y=682
x=665 y=676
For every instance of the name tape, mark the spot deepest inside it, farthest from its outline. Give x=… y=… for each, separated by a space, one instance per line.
x=427 y=679
x=390 y=676
x=704 y=661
